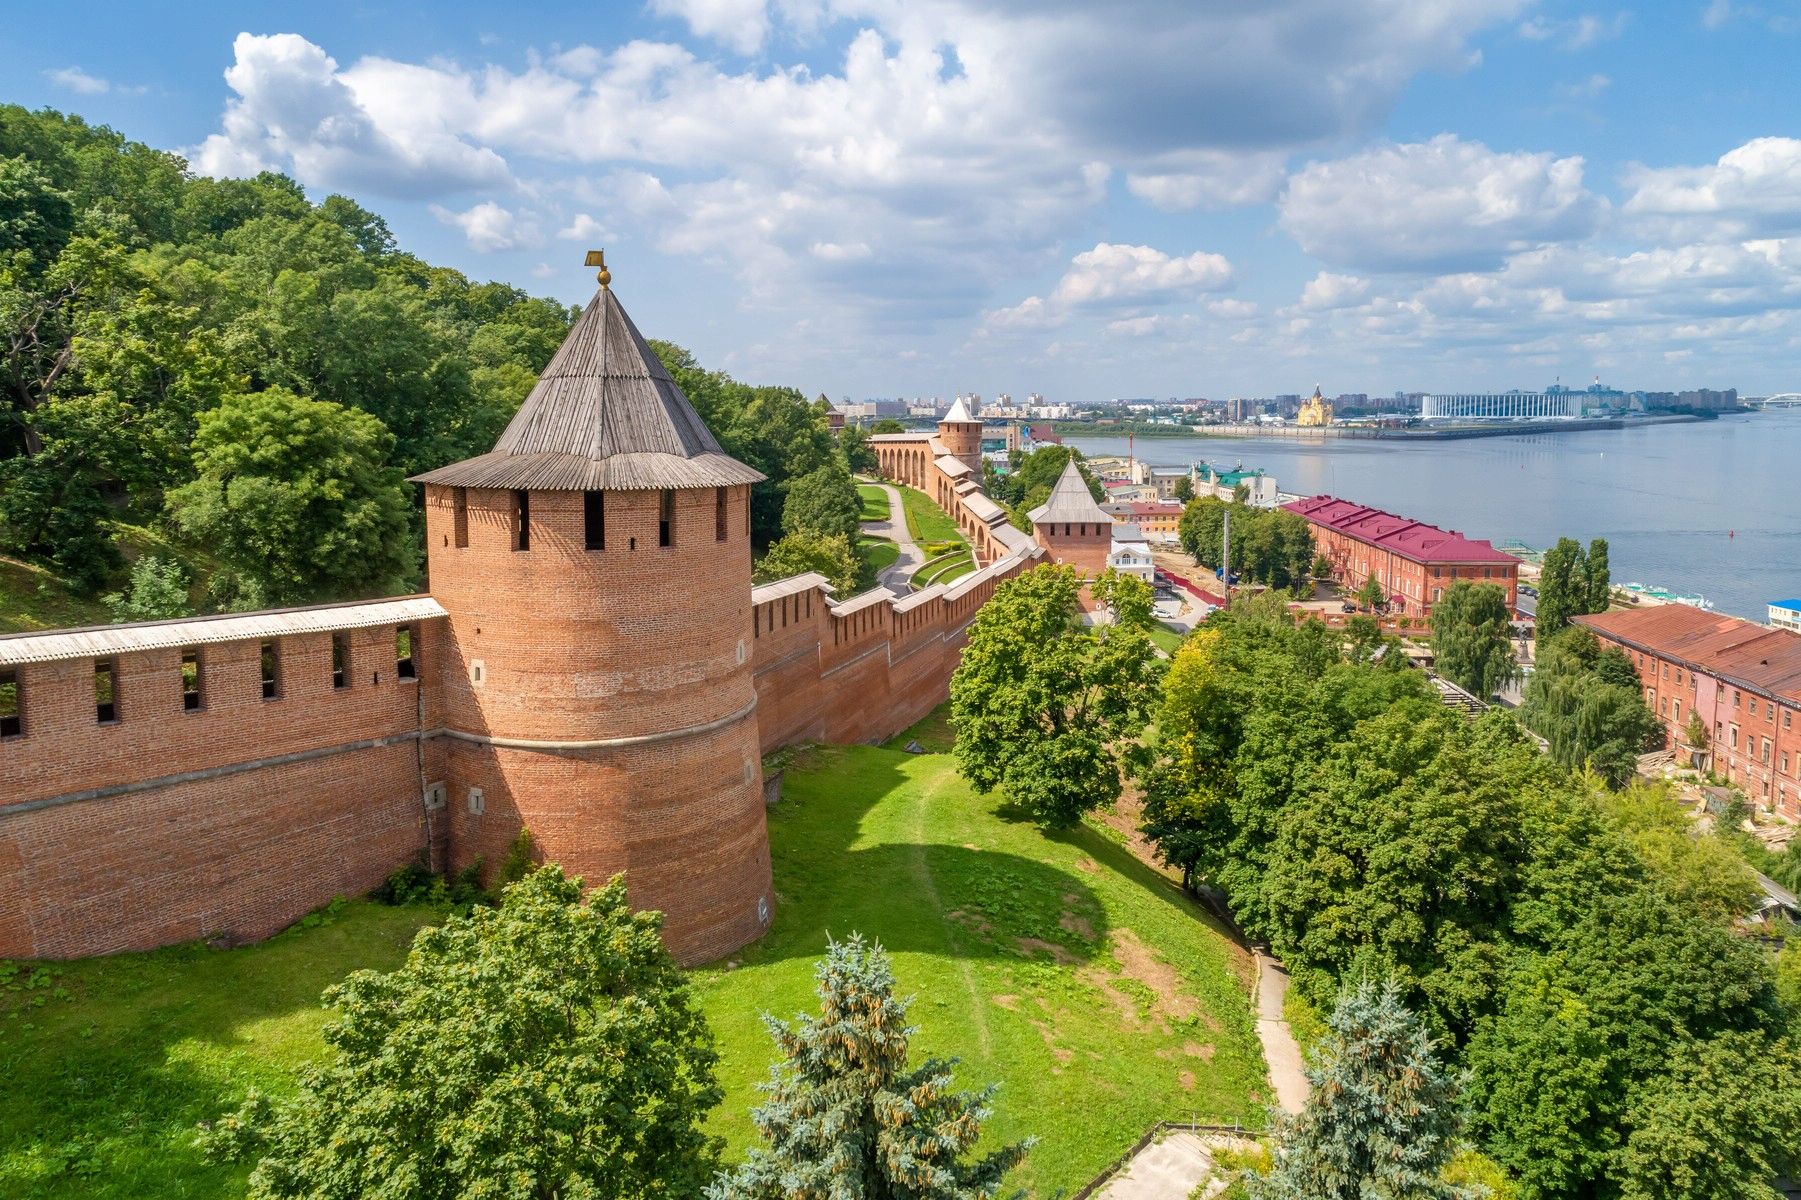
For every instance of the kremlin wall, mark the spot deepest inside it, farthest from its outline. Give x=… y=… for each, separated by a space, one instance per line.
x=592 y=663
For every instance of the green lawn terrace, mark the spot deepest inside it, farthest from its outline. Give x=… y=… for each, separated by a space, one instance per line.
x=1084 y=982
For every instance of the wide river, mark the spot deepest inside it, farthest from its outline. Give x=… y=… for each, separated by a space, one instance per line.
x=1711 y=507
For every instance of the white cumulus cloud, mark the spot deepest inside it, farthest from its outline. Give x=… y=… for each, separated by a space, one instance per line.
x=1752 y=189
x=1445 y=204
x=487 y=226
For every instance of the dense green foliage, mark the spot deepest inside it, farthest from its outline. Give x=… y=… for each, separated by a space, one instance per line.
x=1585 y=701
x=294 y=498
x=830 y=554
x=849 y=1118
x=1045 y=707
x=1568 y=944
x=1269 y=545
x=1571 y=582
x=777 y=430
x=136 y=298
x=1029 y=477
x=1381 y=1116
x=549 y=1047
x=823 y=501
x=1472 y=637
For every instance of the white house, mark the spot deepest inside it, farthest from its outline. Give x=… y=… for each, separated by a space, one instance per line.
x=1131 y=553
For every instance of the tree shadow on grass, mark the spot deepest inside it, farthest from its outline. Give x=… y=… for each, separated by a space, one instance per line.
x=937 y=897
x=104 y=1090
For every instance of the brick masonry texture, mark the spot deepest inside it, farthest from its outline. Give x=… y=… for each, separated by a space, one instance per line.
x=625 y=698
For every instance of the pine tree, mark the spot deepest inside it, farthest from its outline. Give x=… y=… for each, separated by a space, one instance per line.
x=1380 y=1117
x=848 y=1119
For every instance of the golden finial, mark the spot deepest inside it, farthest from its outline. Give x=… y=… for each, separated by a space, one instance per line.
x=598 y=258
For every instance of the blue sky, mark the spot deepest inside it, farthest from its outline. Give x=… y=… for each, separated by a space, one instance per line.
x=1137 y=198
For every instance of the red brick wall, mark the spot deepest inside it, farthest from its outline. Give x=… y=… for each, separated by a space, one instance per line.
x=867 y=670
x=222 y=850
x=1674 y=691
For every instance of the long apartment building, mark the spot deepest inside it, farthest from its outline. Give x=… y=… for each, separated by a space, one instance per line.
x=1413 y=561
x=1744 y=679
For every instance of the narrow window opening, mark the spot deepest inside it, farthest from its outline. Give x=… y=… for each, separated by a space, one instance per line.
x=340 y=661
x=594 y=520
x=522 y=533
x=403 y=653
x=666 y=520
x=190 y=680
x=106 y=692
x=271 y=663
x=719 y=514
x=12 y=706
x=459 y=502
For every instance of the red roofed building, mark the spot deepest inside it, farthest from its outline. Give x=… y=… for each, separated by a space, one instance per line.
x=1744 y=680
x=1415 y=562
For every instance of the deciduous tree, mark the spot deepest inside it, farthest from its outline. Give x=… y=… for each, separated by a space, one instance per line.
x=549 y=1047
x=297 y=495
x=1472 y=637
x=1043 y=705
x=823 y=501
x=804 y=550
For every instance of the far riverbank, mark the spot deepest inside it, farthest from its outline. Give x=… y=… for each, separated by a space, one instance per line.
x=1703 y=507
x=1435 y=433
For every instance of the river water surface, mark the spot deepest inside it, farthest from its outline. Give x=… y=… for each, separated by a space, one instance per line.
x=1712 y=507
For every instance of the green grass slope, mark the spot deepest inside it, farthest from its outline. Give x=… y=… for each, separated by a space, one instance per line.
x=1060 y=967
x=1083 y=982
x=109 y=1063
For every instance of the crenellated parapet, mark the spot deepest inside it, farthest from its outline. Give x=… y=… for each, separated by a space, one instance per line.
x=865 y=668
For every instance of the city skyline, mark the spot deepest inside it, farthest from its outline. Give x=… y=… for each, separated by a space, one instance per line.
x=867 y=199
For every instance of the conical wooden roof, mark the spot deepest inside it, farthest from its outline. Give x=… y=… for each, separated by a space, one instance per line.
x=605 y=414
x=1070 y=500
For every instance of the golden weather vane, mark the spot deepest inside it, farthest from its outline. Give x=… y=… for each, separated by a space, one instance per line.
x=598 y=258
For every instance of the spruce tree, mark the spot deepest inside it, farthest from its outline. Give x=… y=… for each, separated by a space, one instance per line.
x=1380 y=1119
x=848 y=1119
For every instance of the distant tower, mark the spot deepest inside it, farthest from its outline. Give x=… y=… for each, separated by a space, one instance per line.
x=961 y=434
x=596 y=674
x=1072 y=527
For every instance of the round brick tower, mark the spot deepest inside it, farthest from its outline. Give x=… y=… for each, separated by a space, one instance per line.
x=961 y=434
x=595 y=684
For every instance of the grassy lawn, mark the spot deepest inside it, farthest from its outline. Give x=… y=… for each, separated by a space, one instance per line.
x=1166 y=639
x=33 y=598
x=1059 y=966
x=1099 y=997
x=109 y=1063
x=925 y=520
x=875 y=502
x=943 y=569
x=879 y=553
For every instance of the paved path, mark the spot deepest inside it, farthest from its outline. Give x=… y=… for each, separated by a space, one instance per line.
x=895 y=530
x=1283 y=1054
x=1170 y=1168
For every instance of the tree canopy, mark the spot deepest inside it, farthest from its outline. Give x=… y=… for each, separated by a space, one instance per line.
x=1472 y=637
x=1572 y=581
x=1585 y=701
x=547 y=1047
x=1044 y=706
x=1569 y=946
x=296 y=496
x=1269 y=545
